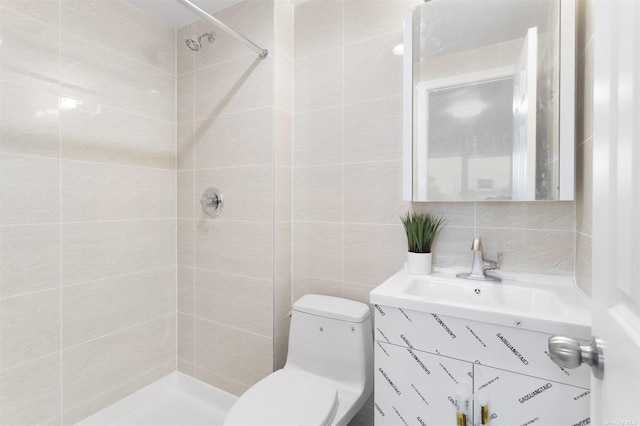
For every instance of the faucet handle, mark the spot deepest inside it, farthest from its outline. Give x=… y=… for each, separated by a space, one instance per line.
x=476 y=245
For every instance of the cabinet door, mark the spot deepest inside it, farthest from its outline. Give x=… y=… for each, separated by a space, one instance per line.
x=516 y=399
x=416 y=388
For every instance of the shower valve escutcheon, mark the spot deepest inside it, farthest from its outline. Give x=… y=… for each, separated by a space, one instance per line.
x=480 y=265
x=212 y=202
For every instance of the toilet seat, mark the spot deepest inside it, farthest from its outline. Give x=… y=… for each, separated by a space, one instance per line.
x=285 y=398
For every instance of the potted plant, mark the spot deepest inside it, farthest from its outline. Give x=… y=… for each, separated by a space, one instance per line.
x=422 y=229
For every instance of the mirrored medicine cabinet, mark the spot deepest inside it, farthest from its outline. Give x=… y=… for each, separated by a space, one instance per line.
x=489 y=100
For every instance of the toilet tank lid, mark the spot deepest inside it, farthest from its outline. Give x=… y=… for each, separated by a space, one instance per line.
x=332 y=307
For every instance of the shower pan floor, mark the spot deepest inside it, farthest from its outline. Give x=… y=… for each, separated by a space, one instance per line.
x=174 y=400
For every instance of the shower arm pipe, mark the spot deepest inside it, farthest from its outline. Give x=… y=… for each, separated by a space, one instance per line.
x=242 y=39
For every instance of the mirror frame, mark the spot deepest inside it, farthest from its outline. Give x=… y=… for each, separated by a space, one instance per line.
x=567 y=105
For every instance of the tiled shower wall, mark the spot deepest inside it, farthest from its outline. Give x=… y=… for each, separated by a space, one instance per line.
x=87 y=207
x=234 y=133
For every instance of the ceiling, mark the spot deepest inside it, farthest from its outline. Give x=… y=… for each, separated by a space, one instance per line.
x=174 y=14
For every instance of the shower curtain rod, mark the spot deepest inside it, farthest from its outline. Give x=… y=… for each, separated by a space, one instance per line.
x=242 y=39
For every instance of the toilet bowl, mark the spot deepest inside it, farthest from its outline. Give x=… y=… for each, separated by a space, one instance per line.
x=328 y=375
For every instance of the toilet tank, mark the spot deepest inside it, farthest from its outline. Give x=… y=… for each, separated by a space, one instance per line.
x=332 y=338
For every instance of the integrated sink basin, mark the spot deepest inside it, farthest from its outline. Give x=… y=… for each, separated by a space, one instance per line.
x=540 y=303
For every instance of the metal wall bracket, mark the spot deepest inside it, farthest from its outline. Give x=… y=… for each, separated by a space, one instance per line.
x=212 y=202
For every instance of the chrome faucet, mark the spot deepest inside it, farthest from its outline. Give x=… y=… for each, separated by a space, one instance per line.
x=480 y=265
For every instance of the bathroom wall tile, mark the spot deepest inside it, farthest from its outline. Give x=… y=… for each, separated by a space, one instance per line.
x=313 y=89
x=317 y=26
x=584 y=187
x=364 y=19
x=583 y=262
x=186 y=367
x=114 y=27
x=186 y=338
x=252 y=18
x=233 y=86
x=29 y=258
x=318 y=137
x=239 y=139
x=186 y=285
x=455 y=214
x=29 y=50
x=96 y=74
x=29 y=327
x=526 y=215
x=372 y=253
x=247 y=192
x=185 y=97
x=373 y=130
x=283 y=83
x=186 y=242
x=133 y=299
x=29 y=119
x=538 y=252
x=357 y=292
x=185 y=57
x=452 y=247
x=281 y=320
x=282 y=244
x=110 y=192
x=110 y=396
x=372 y=70
x=94 y=132
x=92 y=251
x=43 y=11
x=323 y=258
x=584 y=24
x=241 y=248
x=373 y=192
x=283 y=194
x=280 y=350
x=310 y=285
x=283 y=139
x=185 y=146
x=33 y=384
x=22 y=178
x=584 y=94
x=284 y=22
x=317 y=193
x=221 y=382
x=186 y=194
x=236 y=301
x=105 y=363
x=236 y=354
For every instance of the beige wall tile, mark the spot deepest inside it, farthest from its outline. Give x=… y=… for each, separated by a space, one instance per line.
x=584 y=187
x=373 y=192
x=282 y=244
x=283 y=82
x=185 y=97
x=114 y=27
x=318 y=137
x=29 y=119
x=284 y=21
x=133 y=299
x=357 y=292
x=98 y=75
x=456 y=214
x=583 y=262
x=239 y=139
x=317 y=193
x=317 y=26
x=92 y=251
x=283 y=140
x=283 y=193
x=186 y=195
x=233 y=86
x=22 y=178
x=313 y=89
x=317 y=250
x=29 y=258
x=452 y=247
x=94 y=132
x=527 y=215
x=372 y=253
x=281 y=314
x=247 y=192
x=280 y=350
x=221 y=382
x=185 y=146
x=102 y=364
x=372 y=70
x=311 y=285
x=44 y=11
x=29 y=327
x=234 y=354
x=236 y=301
x=109 y=192
x=185 y=57
x=241 y=248
x=364 y=19
x=186 y=367
x=34 y=384
x=186 y=286
x=186 y=335
x=373 y=130
x=186 y=242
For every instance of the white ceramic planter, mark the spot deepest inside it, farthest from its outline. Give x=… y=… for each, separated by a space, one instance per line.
x=419 y=263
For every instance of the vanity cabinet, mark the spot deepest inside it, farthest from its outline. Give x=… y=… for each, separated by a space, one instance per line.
x=422 y=360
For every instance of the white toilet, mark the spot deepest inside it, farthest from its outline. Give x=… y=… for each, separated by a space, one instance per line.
x=328 y=375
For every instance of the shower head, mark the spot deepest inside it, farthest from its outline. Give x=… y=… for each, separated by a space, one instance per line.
x=194 y=43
